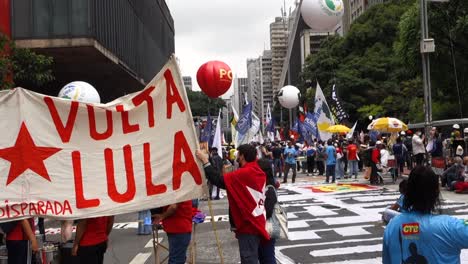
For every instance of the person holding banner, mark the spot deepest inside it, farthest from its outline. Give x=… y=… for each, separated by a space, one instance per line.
x=17 y=242
x=177 y=222
x=245 y=189
x=91 y=239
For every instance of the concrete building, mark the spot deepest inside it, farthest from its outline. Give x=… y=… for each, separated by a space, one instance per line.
x=302 y=42
x=266 y=82
x=254 y=94
x=241 y=90
x=226 y=113
x=278 y=45
x=358 y=7
x=311 y=41
x=187 y=82
x=117 y=46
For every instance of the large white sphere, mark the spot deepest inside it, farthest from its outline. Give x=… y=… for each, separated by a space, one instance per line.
x=322 y=14
x=289 y=96
x=80 y=91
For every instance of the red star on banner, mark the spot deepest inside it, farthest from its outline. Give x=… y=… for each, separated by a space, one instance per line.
x=26 y=155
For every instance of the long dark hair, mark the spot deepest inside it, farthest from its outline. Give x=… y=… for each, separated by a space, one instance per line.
x=265 y=165
x=423 y=194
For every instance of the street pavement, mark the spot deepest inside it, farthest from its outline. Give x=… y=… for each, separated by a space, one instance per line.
x=335 y=223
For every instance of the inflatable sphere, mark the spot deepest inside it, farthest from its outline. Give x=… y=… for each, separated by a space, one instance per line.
x=322 y=15
x=289 y=96
x=214 y=78
x=81 y=92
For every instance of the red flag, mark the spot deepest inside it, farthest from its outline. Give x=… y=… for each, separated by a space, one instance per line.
x=245 y=188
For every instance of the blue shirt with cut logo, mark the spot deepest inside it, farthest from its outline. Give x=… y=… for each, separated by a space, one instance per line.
x=290 y=154
x=413 y=237
x=331 y=155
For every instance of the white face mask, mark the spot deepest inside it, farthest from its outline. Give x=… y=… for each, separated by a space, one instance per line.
x=418 y=134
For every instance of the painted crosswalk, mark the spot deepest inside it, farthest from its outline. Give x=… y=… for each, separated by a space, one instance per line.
x=341 y=225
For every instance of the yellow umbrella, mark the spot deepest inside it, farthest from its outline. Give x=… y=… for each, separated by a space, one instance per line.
x=387 y=124
x=338 y=129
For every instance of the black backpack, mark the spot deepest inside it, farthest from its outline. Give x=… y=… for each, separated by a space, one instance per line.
x=7 y=227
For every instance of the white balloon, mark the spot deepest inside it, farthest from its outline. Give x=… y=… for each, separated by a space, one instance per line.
x=322 y=14
x=80 y=91
x=288 y=96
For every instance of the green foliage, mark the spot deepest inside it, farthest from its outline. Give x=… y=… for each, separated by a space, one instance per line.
x=370 y=110
x=377 y=66
x=201 y=104
x=29 y=69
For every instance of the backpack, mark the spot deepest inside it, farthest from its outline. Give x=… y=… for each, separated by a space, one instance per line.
x=7 y=227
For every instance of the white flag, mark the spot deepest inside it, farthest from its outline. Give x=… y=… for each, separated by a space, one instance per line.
x=350 y=134
x=270 y=135
x=217 y=137
x=322 y=111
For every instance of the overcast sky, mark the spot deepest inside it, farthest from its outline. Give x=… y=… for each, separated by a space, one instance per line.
x=225 y=30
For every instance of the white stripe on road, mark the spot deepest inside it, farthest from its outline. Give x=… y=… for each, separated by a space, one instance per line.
x=141 y=258
x=319 y=211
x=150 y=243
x=376 y=198
x=346 y=250
x=343 y=231
x=359 y=261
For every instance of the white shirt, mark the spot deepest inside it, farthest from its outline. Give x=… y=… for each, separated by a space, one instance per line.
x=384 y=155
x=418 y=145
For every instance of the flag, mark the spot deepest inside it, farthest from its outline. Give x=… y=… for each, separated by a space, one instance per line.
x=250 y=134
x=270 y=128
x=311 y=123
x=245 y=121
x=323 y=114
x=217 y=137
x=337 y=107
x=277 y=135
x=350 y=134
x=235 y=118
x=206 y=134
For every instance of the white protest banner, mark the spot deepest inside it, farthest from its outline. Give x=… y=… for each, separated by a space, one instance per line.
x=67 y=160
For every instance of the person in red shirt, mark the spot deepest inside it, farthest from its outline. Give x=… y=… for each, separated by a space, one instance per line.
x=91 y=239
x=375 y=162
x=17 y=242
x=177 y=223
x=353 y=161
x=246 y=196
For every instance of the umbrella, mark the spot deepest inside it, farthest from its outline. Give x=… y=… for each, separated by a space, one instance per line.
x=387 y=124
x=338 y=129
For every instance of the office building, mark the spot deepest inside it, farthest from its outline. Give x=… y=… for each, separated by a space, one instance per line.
x=278 y=45
x=254 y=93
x=241 y=90
x=117 y=46
x=266 y=82
x=187 y=82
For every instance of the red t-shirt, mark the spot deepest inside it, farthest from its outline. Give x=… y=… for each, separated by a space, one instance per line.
x=96 y=231
x=181 y=221
x=18 y=234
x=352 y=152
x=245 y=188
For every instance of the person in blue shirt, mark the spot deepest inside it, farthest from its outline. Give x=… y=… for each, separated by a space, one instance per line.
x=331 y=161
x=290 y=155
x=397 y=207
x=422 y=234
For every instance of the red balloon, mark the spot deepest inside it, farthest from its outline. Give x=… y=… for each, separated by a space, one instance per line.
x=214 y=78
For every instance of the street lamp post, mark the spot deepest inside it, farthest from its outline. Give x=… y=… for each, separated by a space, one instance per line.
x=427 y=47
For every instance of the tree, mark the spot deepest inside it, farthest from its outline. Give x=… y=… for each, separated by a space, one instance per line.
x=376 y=67
x=28 y=68
x=201 y=104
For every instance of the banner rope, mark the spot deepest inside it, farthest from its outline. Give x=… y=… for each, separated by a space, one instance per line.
x=213 y=223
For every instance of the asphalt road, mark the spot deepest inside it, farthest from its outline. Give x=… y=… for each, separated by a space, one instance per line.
x=327 y=224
